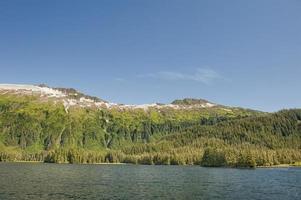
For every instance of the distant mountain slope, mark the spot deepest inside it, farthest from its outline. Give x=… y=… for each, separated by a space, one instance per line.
x=40 y=123
x=191 y=102
x=71 y=97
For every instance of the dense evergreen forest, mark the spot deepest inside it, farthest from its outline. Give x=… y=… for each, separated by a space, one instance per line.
x=33 y=130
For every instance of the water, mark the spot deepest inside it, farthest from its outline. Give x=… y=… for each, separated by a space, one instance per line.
x=53 y=181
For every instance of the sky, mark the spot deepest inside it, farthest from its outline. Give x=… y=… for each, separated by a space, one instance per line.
x=234 y=52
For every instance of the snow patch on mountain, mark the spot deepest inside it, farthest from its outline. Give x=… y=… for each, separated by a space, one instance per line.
x=32 y=88
x=69 y=98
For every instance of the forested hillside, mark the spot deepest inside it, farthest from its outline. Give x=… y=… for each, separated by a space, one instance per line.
x=35 y=130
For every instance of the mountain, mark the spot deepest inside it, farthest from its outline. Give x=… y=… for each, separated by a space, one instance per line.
x=63 y=125
x=192 y=102
x=71 y=97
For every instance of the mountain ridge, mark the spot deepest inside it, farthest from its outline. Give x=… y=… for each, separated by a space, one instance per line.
x=72 y=97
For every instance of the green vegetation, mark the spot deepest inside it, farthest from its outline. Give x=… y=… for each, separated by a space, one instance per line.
x=33 y=130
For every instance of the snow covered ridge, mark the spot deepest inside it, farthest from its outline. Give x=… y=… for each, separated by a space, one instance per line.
x=159 y=106
x=32 y=89
x=71 y=97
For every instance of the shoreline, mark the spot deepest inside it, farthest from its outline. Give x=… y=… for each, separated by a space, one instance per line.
x=262 y=167
x=280 y=166
x=21 y=161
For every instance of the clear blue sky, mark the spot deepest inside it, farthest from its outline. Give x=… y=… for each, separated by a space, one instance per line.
x=238 y=53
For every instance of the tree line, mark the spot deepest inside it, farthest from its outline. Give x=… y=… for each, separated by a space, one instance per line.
x=31 y=130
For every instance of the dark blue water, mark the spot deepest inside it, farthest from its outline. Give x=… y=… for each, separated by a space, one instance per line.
x=53 y=181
